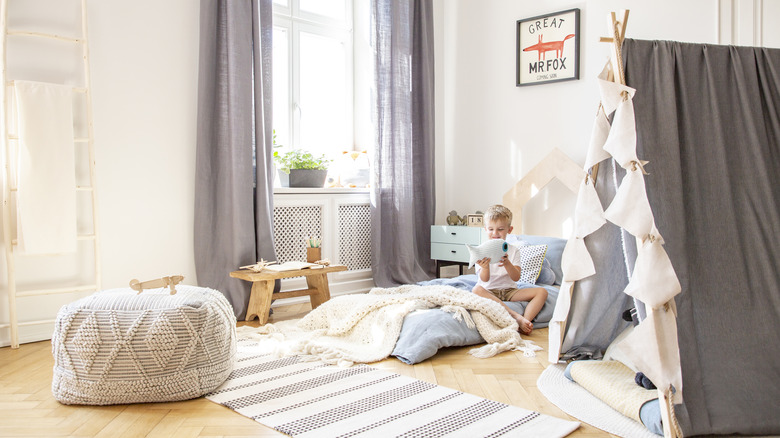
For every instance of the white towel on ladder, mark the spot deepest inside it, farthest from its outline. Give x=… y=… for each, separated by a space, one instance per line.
x=46 y=196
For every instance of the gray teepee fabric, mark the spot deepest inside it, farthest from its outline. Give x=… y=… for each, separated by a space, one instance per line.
x=708 y=120
x=598 y=301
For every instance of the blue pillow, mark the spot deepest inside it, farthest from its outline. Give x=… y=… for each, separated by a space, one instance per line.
x=424 y=332
x=546 y=276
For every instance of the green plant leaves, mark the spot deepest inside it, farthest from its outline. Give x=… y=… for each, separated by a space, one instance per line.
x=299 y=159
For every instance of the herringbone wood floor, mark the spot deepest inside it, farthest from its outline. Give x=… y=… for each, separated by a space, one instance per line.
x=28 y=409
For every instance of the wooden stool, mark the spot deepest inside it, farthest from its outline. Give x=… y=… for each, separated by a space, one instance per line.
x=263 y=288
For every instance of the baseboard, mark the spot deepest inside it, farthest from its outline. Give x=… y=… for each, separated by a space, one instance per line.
x=27 y=334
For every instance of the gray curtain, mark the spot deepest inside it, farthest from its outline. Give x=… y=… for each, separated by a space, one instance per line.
x=233 y=220
x=403 y=203
x=708 y=120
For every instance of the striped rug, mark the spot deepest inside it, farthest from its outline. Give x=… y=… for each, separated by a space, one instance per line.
x=311 y=399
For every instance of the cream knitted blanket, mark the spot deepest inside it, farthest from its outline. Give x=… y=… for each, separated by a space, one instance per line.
x=364 y=328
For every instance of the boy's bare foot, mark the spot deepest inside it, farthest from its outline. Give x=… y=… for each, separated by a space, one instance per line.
x=526 y=326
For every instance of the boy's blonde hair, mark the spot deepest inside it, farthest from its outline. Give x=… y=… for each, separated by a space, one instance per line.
x=498 y=212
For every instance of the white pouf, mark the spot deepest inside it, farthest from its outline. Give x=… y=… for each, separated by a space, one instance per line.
x=118 y=347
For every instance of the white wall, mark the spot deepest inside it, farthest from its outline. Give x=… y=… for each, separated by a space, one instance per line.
x=490 y=133
x=144 y=66
x=144 y=79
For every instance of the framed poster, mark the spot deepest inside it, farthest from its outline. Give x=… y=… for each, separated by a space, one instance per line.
x=548 y=48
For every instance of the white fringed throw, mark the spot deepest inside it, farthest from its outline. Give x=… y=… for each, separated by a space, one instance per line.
x=364 y=328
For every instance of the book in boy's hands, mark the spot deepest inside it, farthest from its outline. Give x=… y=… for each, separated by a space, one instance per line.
x=292 y=266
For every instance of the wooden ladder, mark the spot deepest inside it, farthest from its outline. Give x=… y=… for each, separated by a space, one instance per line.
x=10 y=144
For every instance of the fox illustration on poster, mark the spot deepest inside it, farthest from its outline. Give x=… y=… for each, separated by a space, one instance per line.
x=548 y=48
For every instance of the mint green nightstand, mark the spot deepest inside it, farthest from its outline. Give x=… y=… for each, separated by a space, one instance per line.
x=448 y=245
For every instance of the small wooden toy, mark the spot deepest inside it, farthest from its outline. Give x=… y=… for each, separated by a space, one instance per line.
x=169 y=282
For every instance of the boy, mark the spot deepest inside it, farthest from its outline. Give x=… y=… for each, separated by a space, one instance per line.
x=498 y=280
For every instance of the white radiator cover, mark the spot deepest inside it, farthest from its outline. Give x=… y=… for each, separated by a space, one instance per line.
x=341 y=218
x=354 y=235
x=293 y=225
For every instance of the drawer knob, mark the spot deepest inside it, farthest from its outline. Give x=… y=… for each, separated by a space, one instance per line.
x=454 y=252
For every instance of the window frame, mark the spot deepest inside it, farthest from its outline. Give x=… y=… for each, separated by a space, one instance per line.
x=295 y=22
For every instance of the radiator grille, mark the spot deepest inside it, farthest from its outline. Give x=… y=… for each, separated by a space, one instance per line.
x=292 y=227
x=354 y=225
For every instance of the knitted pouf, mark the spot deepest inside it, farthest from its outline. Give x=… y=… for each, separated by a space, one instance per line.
x=118 y=347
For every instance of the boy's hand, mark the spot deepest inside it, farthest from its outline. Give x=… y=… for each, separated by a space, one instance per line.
x=484 y=263
x=512 y=270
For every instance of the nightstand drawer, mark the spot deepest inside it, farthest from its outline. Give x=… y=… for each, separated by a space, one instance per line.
x=454 y=252
x=456 y=234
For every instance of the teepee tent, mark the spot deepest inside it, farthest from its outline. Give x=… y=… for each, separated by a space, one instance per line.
x=688 y=173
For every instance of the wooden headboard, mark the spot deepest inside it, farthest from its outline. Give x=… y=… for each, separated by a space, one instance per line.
x=556 y=165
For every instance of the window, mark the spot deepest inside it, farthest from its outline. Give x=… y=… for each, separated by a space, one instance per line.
x=313 y=75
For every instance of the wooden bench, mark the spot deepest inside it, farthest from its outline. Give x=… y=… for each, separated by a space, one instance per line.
x=263 y=288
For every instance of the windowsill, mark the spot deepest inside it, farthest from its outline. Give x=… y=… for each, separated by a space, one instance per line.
x=322 y=191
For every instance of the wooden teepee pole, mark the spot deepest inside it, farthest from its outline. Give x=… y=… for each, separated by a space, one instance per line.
x=618 y=30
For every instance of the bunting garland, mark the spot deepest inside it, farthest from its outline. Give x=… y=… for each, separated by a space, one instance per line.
x=653 y=344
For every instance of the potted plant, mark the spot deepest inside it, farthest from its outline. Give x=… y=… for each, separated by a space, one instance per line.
x=300 y=168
